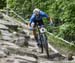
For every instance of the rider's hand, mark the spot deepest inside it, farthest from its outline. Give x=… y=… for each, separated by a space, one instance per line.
x=30 y=28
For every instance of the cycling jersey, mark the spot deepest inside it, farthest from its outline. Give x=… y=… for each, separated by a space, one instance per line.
x=39 y=18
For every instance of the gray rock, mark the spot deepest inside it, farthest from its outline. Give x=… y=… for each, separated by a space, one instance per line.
x=5 y=50
x=2 y=54
x=21 y=41
x=2 y=60
x=7 y=44
x=9 y=24
x=16 y=61
x=9 y=47
x=10 y=21
x=25 y=58
x=10 y=60
x=23 y=61
x=12 y=52
x=5 y=33
x=7 y=38
x=1 y=16
x=26 y=51
x=20 y=59
x=5 y=22
x=3 y=27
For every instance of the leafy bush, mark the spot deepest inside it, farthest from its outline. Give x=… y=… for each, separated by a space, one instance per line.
x=62 y=12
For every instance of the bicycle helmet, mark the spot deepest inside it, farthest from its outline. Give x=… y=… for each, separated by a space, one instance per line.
x=36 y=11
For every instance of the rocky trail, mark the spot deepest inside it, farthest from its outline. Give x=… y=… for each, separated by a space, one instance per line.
x=18 y=46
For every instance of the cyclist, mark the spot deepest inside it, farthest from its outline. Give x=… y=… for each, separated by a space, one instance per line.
x=37 y=17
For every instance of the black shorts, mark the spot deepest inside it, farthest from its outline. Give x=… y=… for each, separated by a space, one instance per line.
x=38 y=22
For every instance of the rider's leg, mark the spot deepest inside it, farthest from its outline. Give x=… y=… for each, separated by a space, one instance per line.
x=40 y=22
x=35 y=35
x=33 y=25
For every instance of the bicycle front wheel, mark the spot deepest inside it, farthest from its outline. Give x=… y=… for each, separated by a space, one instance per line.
x=45 y=44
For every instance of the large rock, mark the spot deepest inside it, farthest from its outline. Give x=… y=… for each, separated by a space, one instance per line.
x=25 y=58
x=9 y=44
x=5 y=33
x=5 y=22
x=11 y=60
x=3 y=27
x=7 y=38
x=20 y=59
x=9 y=47
x=9 y=24
x=20 y=41
x=1 y=16
x=2 y=54
x=10 y=21
x=4 y=49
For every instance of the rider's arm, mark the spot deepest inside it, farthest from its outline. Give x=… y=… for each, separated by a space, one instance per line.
x=49 y=19
x=31 y=20
x=45 y=15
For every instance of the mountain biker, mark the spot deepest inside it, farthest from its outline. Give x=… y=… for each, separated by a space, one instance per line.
x=37 y=17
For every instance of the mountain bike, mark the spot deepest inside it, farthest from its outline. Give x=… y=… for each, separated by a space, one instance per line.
x=42 y=39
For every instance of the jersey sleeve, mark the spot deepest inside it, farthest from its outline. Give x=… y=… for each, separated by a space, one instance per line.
x=31 y=19
x=44 y=14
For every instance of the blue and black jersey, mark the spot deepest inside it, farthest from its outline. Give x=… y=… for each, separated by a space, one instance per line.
x=39 y=18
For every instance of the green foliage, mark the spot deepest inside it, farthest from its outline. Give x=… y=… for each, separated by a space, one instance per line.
x=62 y=12
x=22 y=7
x=2 y=4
